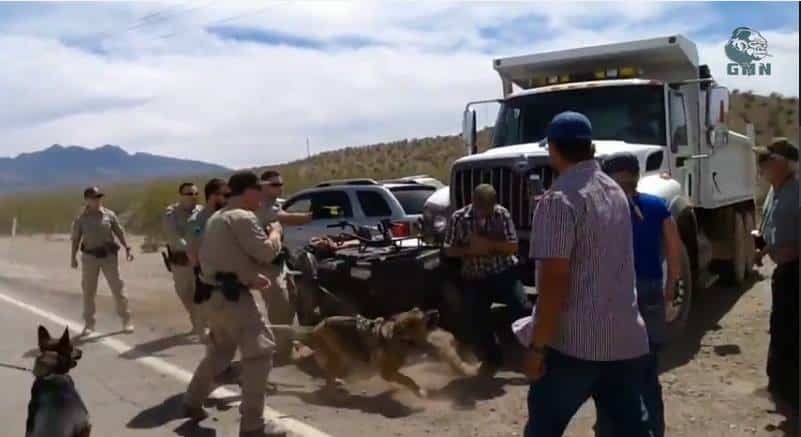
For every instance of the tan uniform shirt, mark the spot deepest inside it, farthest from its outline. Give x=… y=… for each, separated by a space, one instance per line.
x=175 y=226
x=235 y=242
x=196 y=227
x=96 y=229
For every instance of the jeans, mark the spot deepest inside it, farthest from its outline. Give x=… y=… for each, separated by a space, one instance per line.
x=480 y=293
x=615 y=386
x=782 y=365
x=651 y=397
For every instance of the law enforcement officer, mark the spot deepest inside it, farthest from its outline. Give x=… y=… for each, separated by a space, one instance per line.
x=93 y=233
x=780 y=231
x=282 y=294
x=236 y=258
x=217 y=193
x=176 y=231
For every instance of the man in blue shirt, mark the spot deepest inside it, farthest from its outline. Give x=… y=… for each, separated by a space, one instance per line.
x=652 y=229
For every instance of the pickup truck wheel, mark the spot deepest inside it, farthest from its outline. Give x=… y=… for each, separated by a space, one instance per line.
x=677 y=312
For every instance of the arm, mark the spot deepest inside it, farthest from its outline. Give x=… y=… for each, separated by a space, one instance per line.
x=119 y=232
x=553 y=226
x=77 y=235
x=294 y=219
x=452 y=248
x=254 y=241
x=672 y=242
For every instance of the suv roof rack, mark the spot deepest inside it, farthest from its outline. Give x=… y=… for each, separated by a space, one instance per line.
x=331 y=183
x=406 y=179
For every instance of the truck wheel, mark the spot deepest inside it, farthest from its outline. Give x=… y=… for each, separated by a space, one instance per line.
x=677 y=312
x=743 y=247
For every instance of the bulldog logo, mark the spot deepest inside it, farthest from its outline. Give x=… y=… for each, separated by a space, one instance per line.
x=746 y=46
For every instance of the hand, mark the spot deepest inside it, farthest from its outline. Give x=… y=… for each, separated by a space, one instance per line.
x=74 y=263
x=275 y=228
x=534 y=365
x=129 y=254
x=480 y=245
x=261 y=282
x=758 y=256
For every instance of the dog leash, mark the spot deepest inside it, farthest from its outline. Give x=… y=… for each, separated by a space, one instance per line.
x=11 y=366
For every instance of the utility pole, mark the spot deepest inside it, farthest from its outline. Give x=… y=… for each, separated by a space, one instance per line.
x=308 y=151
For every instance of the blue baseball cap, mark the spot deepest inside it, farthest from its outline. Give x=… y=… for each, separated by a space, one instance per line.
x=570 y=125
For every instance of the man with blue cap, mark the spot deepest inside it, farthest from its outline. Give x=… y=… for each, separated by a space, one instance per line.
x=586 y=337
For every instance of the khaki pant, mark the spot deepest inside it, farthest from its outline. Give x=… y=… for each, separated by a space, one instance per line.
x=91 y=266
x=235 y=325
x=280 y=305
x=184 y=279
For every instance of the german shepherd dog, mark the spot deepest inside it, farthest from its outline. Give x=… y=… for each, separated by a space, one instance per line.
x=339 y=342
x=56 y=409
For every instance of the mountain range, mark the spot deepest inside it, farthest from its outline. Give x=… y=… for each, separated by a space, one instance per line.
x=67 y=166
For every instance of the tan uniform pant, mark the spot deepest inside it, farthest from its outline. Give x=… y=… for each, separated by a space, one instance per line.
x=91 y=266
x=280 y=303
x=235 y=325
x=184 y=279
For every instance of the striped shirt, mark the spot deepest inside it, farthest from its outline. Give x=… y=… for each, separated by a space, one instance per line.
x=498 y=226
x=584 y=217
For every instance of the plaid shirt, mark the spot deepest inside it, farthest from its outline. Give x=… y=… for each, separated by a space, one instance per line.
x=499 y=226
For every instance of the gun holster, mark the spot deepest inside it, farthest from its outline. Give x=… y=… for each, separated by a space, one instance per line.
x=230 y=286
x=177 y=258
x=202 y=289
x=99 y=252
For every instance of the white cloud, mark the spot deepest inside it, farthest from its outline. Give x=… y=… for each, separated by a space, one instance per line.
x=244 y=103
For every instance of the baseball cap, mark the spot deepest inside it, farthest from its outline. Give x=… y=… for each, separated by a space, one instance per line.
x=241 y=181
x=484 y=195
x=92 y=193
x=569 y=125
x=780 y=147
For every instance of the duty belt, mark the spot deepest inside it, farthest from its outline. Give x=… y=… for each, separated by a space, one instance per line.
x=102 y=251
x=229 y=286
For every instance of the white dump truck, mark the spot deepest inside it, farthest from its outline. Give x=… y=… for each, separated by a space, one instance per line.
x=650 y=98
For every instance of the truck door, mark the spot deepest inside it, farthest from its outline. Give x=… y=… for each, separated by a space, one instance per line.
x=682 y=166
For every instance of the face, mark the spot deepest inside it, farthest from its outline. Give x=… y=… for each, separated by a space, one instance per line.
x=772 y=168
x=55 y=355
x=413 y=326
x=273 y=188
x=557 y=161
x=627 y=181
x=189 y=196
x=94 y=202
x=220 y=198
x=252 y=198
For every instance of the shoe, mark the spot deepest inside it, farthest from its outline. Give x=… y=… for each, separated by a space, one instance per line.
x=127 y=326
x=193 y=413
x=88 y=329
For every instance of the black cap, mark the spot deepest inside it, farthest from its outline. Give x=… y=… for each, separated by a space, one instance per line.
x=92 y=193
x=626 y=162
x=778 y=147
x=241 y=181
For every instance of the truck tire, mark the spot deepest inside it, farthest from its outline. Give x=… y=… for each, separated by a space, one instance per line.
x=678 y=311
x=743 y=259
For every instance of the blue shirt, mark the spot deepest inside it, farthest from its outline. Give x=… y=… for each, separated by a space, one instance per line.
x=647 y=232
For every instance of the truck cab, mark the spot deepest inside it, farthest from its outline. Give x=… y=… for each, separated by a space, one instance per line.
x=650 y=98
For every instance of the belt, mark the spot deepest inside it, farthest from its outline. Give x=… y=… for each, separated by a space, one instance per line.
x=227 y=283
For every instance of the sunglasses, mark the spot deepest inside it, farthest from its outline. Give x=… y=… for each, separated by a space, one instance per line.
x=276 y=184
x=192 y=194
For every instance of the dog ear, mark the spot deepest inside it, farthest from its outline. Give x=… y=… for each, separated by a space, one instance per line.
x=64 y=342
x=44 y=337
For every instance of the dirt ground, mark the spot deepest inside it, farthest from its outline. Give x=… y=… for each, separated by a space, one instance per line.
x=713 y=377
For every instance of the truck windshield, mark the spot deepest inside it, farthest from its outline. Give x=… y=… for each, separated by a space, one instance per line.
x=634 y=114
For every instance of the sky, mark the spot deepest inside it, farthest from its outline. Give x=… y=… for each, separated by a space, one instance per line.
x=246 y=83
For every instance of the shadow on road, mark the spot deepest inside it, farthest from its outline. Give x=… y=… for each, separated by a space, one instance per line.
x=153 y=347
x=170 y=410
x=708 y=309
x=382 y=404
x=465 y=392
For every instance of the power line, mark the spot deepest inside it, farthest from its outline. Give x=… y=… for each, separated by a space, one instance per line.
x=253 y=12
x=156 y=17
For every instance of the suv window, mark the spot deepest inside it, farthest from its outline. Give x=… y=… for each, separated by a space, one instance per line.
x=412 y=198
x=299 y=204
x=323 y=204
x=373 y=204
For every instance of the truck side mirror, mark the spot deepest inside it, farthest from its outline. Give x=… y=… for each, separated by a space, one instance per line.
x=469 y=131
x=717 y=114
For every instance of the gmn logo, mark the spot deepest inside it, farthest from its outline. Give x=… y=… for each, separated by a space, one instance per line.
x=746 y=48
